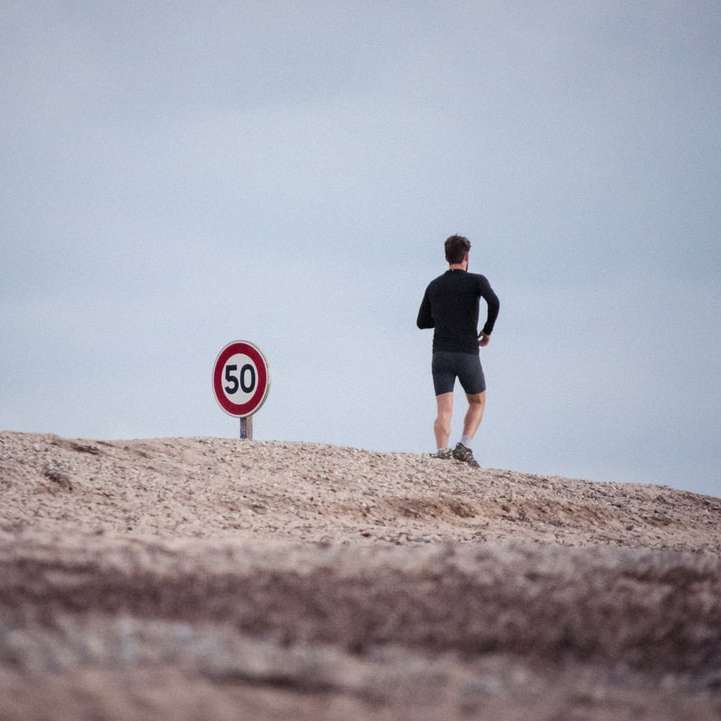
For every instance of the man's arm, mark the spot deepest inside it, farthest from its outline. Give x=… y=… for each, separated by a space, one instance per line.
x=425 y=319
x=493 y=305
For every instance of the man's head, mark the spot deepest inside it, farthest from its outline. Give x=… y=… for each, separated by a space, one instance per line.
x=457 y=248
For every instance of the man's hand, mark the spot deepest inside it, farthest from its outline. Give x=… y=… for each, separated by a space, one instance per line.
x=484 y=339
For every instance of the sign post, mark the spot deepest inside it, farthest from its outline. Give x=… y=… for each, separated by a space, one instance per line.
x=241 y=380
x=246 y=428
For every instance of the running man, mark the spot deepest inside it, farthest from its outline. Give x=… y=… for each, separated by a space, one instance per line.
x=450 y=306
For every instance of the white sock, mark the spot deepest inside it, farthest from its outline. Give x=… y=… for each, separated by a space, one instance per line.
x=442 y=449
x=466 y=441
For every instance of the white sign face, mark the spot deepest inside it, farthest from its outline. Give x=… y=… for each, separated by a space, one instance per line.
x=240 y=378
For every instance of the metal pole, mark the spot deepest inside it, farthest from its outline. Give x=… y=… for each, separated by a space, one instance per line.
x=246 y=428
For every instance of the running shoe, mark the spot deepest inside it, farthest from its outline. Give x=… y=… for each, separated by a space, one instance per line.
x=445 y=454
x=465 y=454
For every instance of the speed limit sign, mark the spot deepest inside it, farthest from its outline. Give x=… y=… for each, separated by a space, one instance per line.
x=241 y=380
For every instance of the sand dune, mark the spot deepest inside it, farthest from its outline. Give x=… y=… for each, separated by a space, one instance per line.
x=205 y=578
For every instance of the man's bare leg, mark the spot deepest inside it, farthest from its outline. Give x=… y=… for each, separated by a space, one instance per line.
x=474 y=414
x=442 y=424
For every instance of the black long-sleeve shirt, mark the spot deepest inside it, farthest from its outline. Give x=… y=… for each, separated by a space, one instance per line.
x=450 y=306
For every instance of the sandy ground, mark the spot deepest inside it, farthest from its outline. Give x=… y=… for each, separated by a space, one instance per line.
x=205 y=578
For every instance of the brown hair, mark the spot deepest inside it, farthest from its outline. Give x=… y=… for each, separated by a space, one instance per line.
x=456 y=248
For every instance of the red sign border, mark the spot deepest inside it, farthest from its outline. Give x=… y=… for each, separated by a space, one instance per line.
x=241 y=410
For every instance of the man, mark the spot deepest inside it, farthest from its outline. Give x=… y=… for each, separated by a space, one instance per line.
x=450 y=306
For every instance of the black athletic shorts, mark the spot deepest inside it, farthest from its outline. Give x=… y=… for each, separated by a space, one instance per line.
x=446 y=365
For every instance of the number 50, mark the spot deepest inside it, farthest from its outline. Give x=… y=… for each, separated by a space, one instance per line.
x=247 y=373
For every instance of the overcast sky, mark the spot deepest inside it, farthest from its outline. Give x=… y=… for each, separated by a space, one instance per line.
x=179 y=175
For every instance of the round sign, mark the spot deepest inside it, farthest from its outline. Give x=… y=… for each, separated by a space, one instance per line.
x=240 y=378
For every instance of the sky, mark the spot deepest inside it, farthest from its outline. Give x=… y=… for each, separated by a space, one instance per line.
x=178 y=175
